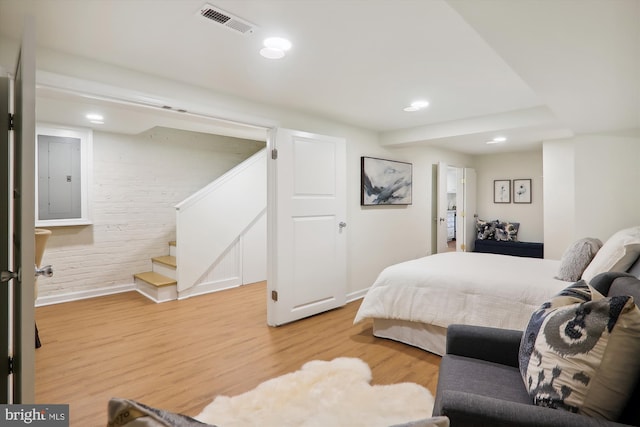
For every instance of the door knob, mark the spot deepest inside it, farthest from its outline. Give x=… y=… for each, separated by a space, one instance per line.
x=342 y=225
x=5 y=276
x=46 y=271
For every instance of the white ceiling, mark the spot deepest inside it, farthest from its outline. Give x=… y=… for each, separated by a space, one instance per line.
x=527 y=69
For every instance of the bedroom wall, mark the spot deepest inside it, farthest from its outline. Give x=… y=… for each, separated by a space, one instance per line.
x=559 y=196
x=390 y=234
x=366 y=256
x=603 y=196
x=137 y=180
x=517 y=165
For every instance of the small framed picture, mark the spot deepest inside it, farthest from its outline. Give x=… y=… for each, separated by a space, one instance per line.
x=502 y=191
x=521 y=191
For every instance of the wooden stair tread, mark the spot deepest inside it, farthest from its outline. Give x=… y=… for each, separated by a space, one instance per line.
x=169 y=260
x=155 y=279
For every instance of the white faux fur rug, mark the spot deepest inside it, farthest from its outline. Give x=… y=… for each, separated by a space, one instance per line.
x=335 y=393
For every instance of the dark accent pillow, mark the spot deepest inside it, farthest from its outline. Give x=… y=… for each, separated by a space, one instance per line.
x=486 y=229
x=129 y=413
x=507 y=231
x=580 y=352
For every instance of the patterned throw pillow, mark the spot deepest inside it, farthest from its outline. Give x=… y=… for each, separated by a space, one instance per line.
x=129 y=413
x=486 y=229
x=507 y=231
x=580 y=352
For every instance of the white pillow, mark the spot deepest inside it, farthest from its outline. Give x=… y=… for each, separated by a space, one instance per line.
x=618 y=253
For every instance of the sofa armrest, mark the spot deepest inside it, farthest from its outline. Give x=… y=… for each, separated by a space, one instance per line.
x=466 y=409
x=479 y=342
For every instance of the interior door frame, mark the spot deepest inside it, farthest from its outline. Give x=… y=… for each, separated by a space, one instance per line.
x=5 y=183
x=24 y=218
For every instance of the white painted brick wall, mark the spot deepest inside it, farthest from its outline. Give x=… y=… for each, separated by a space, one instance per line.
x=137 y=181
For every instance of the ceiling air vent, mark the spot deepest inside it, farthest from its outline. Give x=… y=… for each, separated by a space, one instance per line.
x=226 y=19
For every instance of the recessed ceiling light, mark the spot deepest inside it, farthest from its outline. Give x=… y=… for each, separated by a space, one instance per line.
x=275 y=47
x=93 y=116
x=497 y=140
x=416 y=106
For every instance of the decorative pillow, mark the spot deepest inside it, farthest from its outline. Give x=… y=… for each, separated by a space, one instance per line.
x=576 y=258
x=129 y=413
x=507 y=231
x=580 y=352
x=486 y=229
x=618 y=253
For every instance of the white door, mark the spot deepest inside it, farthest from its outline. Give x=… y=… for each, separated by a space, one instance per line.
x=307 y=233
x=441 y=208
x=466 y=202
x=17 y=230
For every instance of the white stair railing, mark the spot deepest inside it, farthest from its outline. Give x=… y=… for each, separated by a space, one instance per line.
x=211 y=220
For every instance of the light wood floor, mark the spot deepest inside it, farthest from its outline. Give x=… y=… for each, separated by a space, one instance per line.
x=179 y=355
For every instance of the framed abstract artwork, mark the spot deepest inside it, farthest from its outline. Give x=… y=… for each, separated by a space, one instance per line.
x=521 y=191
x=502 y=191
x=385 y=182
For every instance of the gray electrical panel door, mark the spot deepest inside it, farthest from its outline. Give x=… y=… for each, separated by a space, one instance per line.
x=59 y=180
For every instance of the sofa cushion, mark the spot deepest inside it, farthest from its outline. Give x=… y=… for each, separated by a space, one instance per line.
x=618 y=253
x=476 y=376
x=580 y=352
x=576 y=258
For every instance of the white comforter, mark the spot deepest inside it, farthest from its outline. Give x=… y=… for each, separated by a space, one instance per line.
x=463 y=287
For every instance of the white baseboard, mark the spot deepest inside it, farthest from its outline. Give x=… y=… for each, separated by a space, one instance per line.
x=201 y=289
x=80 y=295
x=353 y=296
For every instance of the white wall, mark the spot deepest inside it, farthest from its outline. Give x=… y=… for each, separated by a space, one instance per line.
x=383 y=235
x=603 y=195
x=517 y=165
x=137 y=181
x=559 y=196
x=377 y=238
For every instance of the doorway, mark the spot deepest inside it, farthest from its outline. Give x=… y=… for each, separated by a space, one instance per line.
x=454 y=203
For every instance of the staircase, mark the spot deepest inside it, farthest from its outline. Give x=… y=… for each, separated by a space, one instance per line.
x=222 y=230
x=160 y=283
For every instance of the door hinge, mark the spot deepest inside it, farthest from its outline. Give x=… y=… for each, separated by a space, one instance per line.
x=274 y=295
x=274 y=154
x=10 y=366
x=11 y=119
x=463 y=247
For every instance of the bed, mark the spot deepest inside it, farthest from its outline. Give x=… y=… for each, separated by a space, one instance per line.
x=414 y=301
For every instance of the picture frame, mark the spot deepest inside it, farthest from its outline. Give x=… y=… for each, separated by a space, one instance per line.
x=502 y=191
x=522 y=191
x=385 y=182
